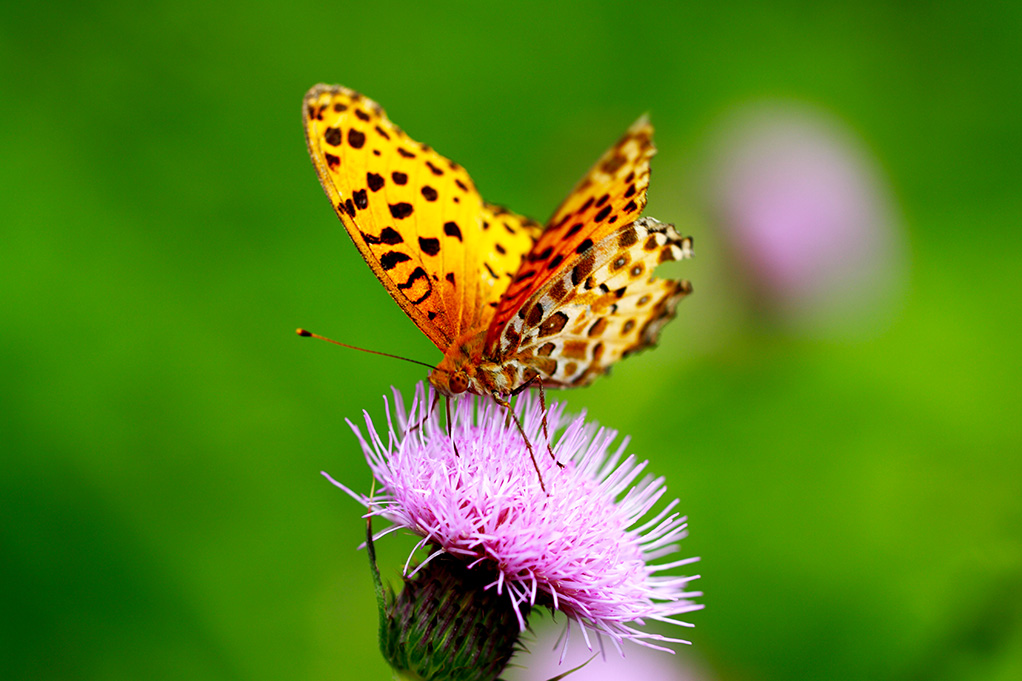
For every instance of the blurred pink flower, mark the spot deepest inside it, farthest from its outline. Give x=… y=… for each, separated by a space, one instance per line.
x=584 y=548
x=805 y=212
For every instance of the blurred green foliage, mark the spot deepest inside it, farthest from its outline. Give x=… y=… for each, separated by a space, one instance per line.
x=856 y=501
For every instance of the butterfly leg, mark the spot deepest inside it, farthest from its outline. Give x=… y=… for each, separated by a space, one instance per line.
x=528 y=445
x=450 y=434
x=542 y=405
x=432 y=406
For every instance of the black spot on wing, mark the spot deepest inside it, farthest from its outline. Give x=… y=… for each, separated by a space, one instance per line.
x=401 y=210
x=417 y=274
x=542 y=255
x=333 y=137
x=361 y=200
x=451 y=229
x=554 y=324
x=535 y=315
x=390 y=259
x=582 y=270
x=628 y=237
x=429 y=246
x=527 y=274
x=388 y=236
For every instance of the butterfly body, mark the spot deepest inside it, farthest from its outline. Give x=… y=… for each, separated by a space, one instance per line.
x=464 y=369
x=509 y=302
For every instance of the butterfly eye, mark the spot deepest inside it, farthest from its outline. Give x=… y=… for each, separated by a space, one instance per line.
x=459 y=383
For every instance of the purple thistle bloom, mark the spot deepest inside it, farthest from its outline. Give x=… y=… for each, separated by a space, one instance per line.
x=584 y=548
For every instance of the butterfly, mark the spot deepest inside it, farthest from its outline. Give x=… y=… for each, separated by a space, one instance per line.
x=509 y=302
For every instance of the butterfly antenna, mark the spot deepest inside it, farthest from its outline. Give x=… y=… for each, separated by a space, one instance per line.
x=309 y=334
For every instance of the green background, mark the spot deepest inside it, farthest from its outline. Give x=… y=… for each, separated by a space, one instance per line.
x=855 y=499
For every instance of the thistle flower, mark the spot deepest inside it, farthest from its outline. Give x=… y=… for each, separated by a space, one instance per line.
x=583 y=547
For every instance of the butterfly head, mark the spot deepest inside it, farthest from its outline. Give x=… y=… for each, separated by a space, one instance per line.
x=464 y=370
x=449 y=383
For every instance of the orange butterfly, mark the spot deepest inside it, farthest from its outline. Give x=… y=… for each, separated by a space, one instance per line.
x=510 y=303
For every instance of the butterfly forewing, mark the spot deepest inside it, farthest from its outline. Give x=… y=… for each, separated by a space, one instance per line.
x=506 y=238
x=415 y=216
x=610 y=196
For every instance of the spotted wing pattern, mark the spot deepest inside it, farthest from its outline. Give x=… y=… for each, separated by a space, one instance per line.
x=610 y=196
x=505 y=240
x=604 y=306
x=442 y=253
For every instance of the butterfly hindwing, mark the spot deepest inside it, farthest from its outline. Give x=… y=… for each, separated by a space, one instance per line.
x=606 y=306
x=506 y=238
x=415 y=216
